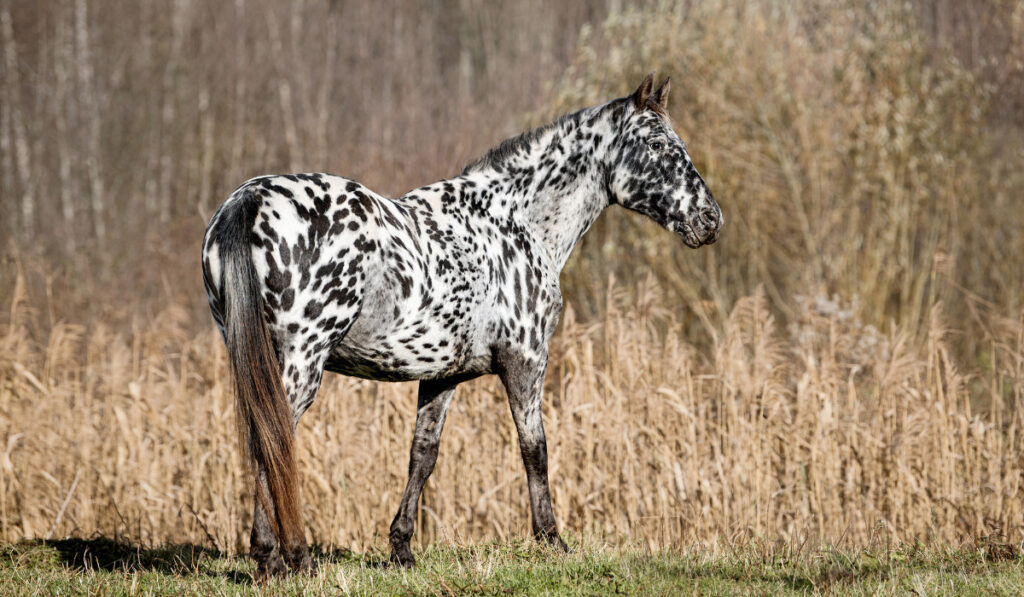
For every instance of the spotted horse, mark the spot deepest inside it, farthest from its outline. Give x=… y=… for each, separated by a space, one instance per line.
x=454 y=280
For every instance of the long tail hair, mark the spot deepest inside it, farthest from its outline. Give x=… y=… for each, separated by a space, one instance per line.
x=264 y=415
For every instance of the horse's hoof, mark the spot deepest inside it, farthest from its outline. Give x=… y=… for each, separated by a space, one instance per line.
x=312 y=567
x=557 y=543
x=301 y=563
x=553 y=540
x=269 y=568
x=402 y=557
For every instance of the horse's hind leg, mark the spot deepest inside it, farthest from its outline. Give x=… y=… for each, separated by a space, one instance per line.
x=435 y=396
x=263 y=544
x=301 y=378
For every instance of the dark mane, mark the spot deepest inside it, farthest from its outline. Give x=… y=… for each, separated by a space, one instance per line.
x=497 y=156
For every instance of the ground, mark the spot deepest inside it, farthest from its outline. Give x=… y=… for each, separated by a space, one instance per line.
x=104 y=566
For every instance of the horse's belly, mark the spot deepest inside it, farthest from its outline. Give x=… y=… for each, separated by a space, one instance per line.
x=375 y=369
x=423 y=329
x=408 y=356
x=370 y=368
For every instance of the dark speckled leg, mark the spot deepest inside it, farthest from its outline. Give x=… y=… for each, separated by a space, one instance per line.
x=434 y=399
x=263 y=545
x=524 y=380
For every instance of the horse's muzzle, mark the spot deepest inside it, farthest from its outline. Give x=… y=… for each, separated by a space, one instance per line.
x=702 y=228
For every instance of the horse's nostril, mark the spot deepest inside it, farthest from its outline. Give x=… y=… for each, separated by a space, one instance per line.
x=709 y=217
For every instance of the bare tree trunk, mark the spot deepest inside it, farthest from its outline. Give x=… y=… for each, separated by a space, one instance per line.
x=92 y=115
x=206 y=157
x=238 y=172
x=150 y=62
x=23 y=159
x=329 y=75
x=8 y=168
x=284 y=89
x=63 y=54
x=168 y=112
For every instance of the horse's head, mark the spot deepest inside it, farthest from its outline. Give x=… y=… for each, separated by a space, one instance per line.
x=651 y=173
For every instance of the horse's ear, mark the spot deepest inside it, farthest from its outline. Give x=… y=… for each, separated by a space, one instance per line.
x=643 y=92
x=660 y=96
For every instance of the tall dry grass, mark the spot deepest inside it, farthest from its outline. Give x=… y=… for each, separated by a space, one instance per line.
x=828 y=431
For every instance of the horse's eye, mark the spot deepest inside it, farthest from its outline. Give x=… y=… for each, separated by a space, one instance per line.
x=656 y=145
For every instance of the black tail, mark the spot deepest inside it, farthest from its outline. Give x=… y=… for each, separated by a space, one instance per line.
x=264 y=416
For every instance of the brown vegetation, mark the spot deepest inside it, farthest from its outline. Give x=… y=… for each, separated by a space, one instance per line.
x=826 y=431
x=849 y=155
x=846 y=364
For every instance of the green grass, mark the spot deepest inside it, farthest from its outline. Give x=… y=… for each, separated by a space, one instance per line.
x=103 y=566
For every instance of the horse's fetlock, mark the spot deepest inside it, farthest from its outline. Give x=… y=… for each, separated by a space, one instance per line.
x=401 y=531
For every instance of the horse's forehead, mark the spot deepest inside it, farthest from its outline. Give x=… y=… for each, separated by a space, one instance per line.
x=648 y=122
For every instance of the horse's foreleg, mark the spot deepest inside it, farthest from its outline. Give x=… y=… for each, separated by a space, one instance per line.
x=524 y=382
x=435 y=396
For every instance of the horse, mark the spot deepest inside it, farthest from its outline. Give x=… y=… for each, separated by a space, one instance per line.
x=454 y=280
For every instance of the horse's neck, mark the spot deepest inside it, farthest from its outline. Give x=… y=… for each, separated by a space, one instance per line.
x=560 y=217
x=556 y=187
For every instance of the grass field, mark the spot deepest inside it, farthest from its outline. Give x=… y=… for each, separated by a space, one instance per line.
x=103 y=566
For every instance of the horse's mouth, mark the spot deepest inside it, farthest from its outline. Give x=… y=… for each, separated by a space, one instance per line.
x=690 y=236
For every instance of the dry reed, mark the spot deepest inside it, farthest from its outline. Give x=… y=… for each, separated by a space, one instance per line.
x=827 y=431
